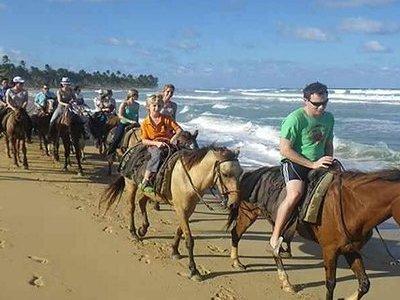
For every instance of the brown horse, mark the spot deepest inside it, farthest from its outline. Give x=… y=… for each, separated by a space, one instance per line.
x=355 y=203
x=14 y=125
x=185 y=140
x=41 y=121
x=70 y=129
x=100 y=129
x=192 y=175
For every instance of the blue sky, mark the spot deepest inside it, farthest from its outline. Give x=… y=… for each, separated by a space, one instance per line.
x=211 y=44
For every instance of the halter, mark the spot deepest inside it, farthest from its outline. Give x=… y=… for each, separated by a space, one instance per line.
x=217 y=176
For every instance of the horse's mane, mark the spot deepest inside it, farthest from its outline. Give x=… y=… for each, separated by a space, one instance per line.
x=385 y=174
x=193 y=157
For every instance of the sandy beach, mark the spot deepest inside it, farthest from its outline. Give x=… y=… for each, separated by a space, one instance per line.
x=54 y=245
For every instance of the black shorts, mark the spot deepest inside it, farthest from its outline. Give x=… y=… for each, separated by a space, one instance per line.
x=293 y=171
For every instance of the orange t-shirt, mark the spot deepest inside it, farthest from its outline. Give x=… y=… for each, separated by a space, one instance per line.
x=165 y=129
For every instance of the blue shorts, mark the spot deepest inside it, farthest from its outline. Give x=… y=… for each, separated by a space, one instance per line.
x=293 y=171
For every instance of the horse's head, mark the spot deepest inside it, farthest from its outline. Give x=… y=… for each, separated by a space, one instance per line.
x=227 y=172
x=187 y=140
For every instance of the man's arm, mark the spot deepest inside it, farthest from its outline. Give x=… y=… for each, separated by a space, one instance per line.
x=329 y=148
x=287 y=151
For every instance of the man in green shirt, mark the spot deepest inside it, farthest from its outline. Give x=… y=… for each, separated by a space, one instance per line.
x=305 y=144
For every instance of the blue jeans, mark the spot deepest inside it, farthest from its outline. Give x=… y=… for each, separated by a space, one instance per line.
x=152 y=164
x=58 y=112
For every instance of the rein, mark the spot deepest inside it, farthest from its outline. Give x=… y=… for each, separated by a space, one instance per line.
x=217 y=171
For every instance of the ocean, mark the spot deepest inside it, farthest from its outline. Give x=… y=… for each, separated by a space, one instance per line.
x=367 y=122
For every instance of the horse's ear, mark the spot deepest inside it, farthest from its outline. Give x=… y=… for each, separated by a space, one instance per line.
x=194 y=135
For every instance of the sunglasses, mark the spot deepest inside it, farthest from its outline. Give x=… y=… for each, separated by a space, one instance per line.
x=318 y=104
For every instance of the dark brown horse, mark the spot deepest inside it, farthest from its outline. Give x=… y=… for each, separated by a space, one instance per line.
x=40 y=122
x=355 y=203
x=70 y=129
x=14 y=125
x=195 y=172
x=99 y=127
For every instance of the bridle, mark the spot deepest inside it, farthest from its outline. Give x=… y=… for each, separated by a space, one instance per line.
x=225 y=192
x=217 y=177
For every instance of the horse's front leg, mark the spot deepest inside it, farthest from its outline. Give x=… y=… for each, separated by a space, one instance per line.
x=355 y=261
x=78 y=156
x=7 y=142
x=56 y=146
x=67 y=151
x=145 y=221
x=283 y=276
x=25 y=159
x=330 y=263
x=246 y=217
x=14 y=150
x=19 y=150
x=184 y=216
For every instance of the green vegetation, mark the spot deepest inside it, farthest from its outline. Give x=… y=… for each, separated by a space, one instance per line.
x=36 y=77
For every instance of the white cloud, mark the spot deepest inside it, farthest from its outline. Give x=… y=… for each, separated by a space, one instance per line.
x=362 y=25
x=116 y=41
x=355 y=3
x=311 y=34
x=374 y=47
x=305 y=33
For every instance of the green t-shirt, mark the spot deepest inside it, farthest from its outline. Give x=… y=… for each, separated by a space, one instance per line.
x=308 y=135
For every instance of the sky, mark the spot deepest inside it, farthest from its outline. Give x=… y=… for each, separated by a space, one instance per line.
x=212 y=43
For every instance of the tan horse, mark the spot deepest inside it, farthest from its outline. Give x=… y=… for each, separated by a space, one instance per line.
x=194 y=173
x=355 y=203
x=14 y=126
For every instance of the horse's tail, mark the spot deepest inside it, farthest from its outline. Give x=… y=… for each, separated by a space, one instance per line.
x=112 y=192
x=233 y=214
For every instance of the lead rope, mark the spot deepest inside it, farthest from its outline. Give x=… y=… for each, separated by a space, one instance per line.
x=193 y=187
x=395 y=261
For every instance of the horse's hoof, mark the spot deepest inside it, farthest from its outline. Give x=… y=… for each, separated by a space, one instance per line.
x=142 y=231
x=196 y=277
x=26 y=167
x=176 y=256
x=157 y=206
x=288 y=288
x=238 y=265
x=135 y=236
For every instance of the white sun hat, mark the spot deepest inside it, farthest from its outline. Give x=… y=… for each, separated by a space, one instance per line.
x=18 y=79
x=65 y=81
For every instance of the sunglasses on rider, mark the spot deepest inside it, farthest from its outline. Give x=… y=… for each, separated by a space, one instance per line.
x=318 y=104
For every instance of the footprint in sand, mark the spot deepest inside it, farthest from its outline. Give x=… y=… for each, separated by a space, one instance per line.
x=166 y=222
x=144 y=258
x=3 y=230
x=216 y=249
x=2 y=244
x=224 y=294
x=79 y=207
x=108 y=229
x=37 y=281
x=203 y=270
x=41 y=260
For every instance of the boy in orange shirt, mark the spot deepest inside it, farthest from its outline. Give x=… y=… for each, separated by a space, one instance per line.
x=156 y=131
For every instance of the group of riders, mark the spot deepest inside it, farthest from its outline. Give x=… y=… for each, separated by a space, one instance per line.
x=305 y=140
x=157 y=129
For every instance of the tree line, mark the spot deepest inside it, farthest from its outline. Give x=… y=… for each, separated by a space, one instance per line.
x=36 y=77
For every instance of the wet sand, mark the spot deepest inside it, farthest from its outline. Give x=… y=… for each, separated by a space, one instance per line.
x=53 y=245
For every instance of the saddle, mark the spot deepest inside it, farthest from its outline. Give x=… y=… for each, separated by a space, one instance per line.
x=265 y=187
x=134 y=161
x=129 y=131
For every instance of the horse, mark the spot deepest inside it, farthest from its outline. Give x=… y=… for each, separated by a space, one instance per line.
x=100 y=129
x=70 y=129
x=184 y=140
x=354 y=204
x=41 y=121
x=193 y=173
x=14 y=124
